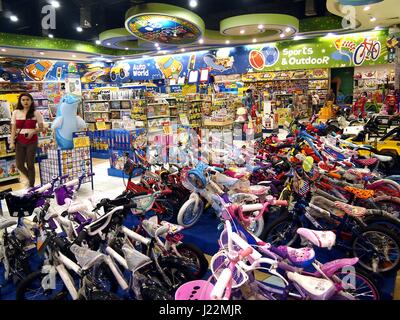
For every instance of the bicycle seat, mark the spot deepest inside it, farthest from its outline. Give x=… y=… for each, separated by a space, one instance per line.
x=366 y=162
x=134 y=258
x=85 y=257
x=318 y=289
x=382 y=158
x=351 y=210
x=321 y=239
x=301 y=258
x=258 y=190
x=360 y=193
x=5 y=223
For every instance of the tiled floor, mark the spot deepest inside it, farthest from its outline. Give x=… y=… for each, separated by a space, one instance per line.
x=105 y=186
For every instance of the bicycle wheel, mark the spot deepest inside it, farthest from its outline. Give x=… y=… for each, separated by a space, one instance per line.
x=195 y=256
x=257 y=228
x=190 y=212
x=378 y=249
x=282 y=231
x=153 y=293
x=364 y=287
x=31 y=288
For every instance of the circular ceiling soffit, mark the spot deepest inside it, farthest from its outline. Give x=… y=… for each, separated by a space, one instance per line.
x=263 y=25
x=164 y=24
x=358 y=2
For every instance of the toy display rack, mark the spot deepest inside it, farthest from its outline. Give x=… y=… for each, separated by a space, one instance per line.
x=66 y=162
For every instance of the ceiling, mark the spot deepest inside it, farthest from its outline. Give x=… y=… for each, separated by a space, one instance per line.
x=218 y=22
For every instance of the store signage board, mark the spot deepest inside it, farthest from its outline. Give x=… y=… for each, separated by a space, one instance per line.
x=349 y=50
x=81 y=140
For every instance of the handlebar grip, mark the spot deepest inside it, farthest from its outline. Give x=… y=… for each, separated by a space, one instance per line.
x=281 y=203
x=246 y=252
x=252 y=207
x=130 y=206
x=222 y=282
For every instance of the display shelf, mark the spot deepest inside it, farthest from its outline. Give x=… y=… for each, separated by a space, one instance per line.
x=7 y=155
x=9 y=178
x=158 y=117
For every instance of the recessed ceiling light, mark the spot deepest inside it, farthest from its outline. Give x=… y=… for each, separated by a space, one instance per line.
x=193 y=3
x=372 y=19
x=183 y=50
x=201 y=41
x=297 y=38
x=126 y=48
x=242 y=31
x=41 y=53
x=74 y=56
x=254 y=40
x=55 y=4
x=366 y=8
x=288 y=29
x=227 y=42
x=282 y=35
x=109 y=44
x=79 y=29
x=51 y=36
x=158 y=48
x=122 y=58
x=145 y=56
x=13 y=18
x=109 y=61
x=330 y=35
x=260 y=26
x=98 y=42
x=3 y=50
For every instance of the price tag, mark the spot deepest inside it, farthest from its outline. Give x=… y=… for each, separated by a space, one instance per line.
x=101 y=124
x=81 y=142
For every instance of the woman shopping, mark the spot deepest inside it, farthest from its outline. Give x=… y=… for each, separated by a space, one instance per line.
x=26 y=123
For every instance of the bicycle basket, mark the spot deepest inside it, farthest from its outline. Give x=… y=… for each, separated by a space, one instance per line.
x=300 y=186
x=220 y=261
x=144 y=203
x=19 y=207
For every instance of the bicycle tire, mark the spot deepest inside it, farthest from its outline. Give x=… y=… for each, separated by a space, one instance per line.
x=201 y=262
x=184 y=212
x=281 y=222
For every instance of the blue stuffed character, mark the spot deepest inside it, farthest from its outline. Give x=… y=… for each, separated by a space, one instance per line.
x=67 y=121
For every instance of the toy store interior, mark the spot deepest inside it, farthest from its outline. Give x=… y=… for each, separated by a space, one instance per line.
x=178 y=150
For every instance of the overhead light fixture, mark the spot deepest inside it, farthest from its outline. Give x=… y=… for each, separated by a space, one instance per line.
x=201 y=41
x=109 y=44
x=373 y=19
x=193 y=3
x=377 y=28
x=109 y=61
x=3 y=50
x=260 y=26
x=183 y=50
x=329 y=35
x=242 y=31
x=227 y=42
x=51 y=36
x=288 y=29
x=158 y=48
x=126 y=48
x=79 y=29
x=157 y=45
x=13 y=18
x=366 y=8
x=98 y=42
x=295 y=38
x=74 y=56
x=282 y=35
x=145 y=56
x=55 y=4
x=122 y=58
x=254 y=40
x=41 y=53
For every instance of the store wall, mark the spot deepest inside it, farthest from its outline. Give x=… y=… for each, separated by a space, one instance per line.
x=343 y=78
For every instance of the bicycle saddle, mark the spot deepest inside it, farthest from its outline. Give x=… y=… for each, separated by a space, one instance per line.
x=85 y=257
x=301 y=258
x=360 y=193
x=5 y=223
x=259 y=190
x=366 y=162
x=321 y=239
x=351 y=210
x=318 y=289
x=134 y=258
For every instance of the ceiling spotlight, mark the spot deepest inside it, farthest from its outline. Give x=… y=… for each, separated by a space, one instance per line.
x=242 y=31
x=13 y=18
x=295 y=38
x=3 y=50
x=260 y=27
x=55 y=4
x=193 y=3
x=330 y=35
x=377 y=28
x=51 y=36
x=201 y=41
x=145 y=56
x=79 y=29
x=126 y=48
x=183 y=50
x=41 y=53
x=98 y=42
x=366 y=8
x=157 y=45
x=122 y=58
x=74 y=56
x=158 y=48
x=254 y=40
x=288 y=29
x=282 y=35
x=227 y=42
x=109 y=44
x=372 y=19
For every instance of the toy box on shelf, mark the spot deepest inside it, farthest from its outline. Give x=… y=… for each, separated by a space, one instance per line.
x=66 y=162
